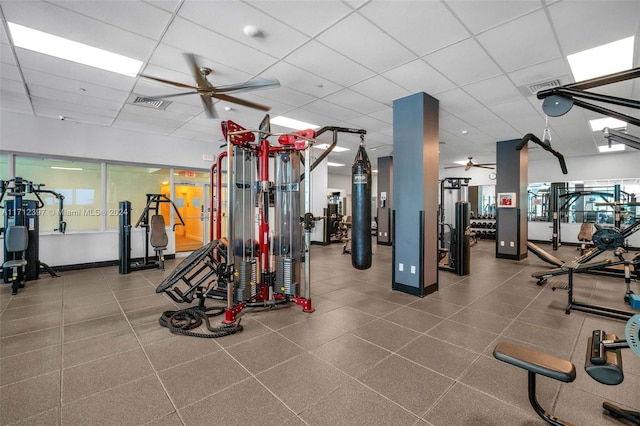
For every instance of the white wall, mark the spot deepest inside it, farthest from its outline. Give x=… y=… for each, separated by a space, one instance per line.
x=21 y=133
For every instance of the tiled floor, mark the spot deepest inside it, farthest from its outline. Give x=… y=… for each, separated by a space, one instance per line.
x=86 y=349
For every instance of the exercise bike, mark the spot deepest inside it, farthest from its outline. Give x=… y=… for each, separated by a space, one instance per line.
x=603 y=363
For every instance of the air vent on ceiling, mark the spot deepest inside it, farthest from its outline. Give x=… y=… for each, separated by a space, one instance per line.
x=151 y=102
x=535 y=88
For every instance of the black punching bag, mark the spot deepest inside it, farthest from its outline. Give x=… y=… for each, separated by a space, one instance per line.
x=361 y=210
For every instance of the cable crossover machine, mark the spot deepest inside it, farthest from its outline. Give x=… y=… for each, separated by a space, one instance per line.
x=264 y=261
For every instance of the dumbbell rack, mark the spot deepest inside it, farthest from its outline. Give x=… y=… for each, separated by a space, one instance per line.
x=484 y=226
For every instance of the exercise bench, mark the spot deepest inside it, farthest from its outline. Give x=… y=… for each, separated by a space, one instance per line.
x=537 y=363
x=603 y=362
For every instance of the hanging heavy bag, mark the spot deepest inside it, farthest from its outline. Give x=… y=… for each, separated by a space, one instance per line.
x=361 y=210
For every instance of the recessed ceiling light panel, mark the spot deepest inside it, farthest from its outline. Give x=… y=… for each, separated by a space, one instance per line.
x=610 y=122
x=615 y=147
x=291 y=123
x=602 y=60
x=49 y=44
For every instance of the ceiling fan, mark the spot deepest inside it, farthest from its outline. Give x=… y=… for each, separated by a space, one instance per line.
x=207 y=91
x=471 y=164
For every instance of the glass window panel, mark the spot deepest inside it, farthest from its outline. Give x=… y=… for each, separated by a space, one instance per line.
x=4 y=167
x=79 y=182
x=132 y=183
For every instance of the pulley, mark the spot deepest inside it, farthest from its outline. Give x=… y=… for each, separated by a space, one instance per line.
x=556 y=105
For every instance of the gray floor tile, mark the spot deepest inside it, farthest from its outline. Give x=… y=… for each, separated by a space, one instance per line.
x=313 y=380
x=407 y=384
x=384 y=333
x=439 y=356
x=264 y=352
x=35 y=340
x=29 y=397
x=355 y=404
x=351 y=354
x=29 y=364
x=231 y=407
x=94 y=347
x=83 y=380
x=133 y=403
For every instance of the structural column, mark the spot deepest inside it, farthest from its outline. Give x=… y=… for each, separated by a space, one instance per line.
x=511 y=200
x=385 y=200
x=415 y=194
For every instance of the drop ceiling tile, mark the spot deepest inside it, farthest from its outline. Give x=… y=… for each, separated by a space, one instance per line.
x=184 y=109
x=6 y=54
x=423 y=27
x=229 y=19
x=10 y=72
x=489 y=123
x=385 y=115
x=330 y=109
x=168 y=5
x=13 y=101
x=381 y=89
x=289 y=96
x=354 y=101
x=14 y=86
x=4 y=39
x=456 y=100
x=493 y=91
x=77 y=98
x=614 y=20
x=189 y=37
x=322 y=61
x=463 y=63
x=301 y=80
x=479 y=16
x=541 y=72
x=73 y=116
x=367 y=123
x=525 y=41
x=356 y=38
x=134 y=16
x=60 y=67
x=521 y=115
x=71 y=85
x=64 y=23
x=325 y=13
x=417 y=76
x=53 y=108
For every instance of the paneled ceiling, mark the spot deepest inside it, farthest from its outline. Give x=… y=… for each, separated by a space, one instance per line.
x=339 y=63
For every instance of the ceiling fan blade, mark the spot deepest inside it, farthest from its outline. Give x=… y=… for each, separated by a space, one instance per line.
x=239 y=101
x=201 y=82
x=172 y=95
x=453 y=167
x=467 y=167
x=483 y=166
x=247 y=85
x=208 y=107
x=162 y=80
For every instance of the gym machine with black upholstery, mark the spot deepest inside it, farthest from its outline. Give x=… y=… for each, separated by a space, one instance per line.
x=454 y=253
x=21 y=258
x=604 y=239
x=603 y=362
x=155 y=234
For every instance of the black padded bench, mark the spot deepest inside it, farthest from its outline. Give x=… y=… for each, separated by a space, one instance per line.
x=537 y=363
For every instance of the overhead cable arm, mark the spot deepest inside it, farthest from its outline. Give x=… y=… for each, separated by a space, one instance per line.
x=618 y=136
x=547 y=147
x=559 y=100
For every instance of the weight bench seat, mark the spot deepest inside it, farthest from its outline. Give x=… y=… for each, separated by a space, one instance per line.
x=535 y=362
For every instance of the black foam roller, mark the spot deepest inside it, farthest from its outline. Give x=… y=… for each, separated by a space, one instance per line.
x=361 y=210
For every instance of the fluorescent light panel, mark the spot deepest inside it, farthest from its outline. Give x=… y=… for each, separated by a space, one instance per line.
x=41 y=42
x=330 y=164
x=602 y=60
x=65 y=168
x=613 y=148
x=610 y=122
x=335 y=148
x=292 y=124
